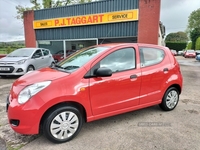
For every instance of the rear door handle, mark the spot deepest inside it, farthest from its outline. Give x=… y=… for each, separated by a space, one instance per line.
x=133 y=76
x=165 y=69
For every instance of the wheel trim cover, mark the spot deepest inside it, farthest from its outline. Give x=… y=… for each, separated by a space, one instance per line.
x=30 y=69
x=64 y=125
x=172 y=99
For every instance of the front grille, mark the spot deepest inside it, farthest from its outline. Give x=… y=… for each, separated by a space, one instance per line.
x=11 y=69
x=7 y=63
x=7 y=103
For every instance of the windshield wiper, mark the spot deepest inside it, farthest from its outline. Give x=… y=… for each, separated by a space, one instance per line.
x=71 y=67
x=57 y=66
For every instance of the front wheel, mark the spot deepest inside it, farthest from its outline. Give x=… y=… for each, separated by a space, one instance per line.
x=170 y=99
x=52 y=64
x=63 y=124
x=30 y=68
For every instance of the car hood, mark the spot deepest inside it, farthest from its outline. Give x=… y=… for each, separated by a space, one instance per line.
x=12 y=59
x=45 y=74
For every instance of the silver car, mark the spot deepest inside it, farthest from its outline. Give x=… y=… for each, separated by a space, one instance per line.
x=23 y=60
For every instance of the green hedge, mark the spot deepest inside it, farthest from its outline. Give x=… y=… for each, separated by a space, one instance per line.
x=176 y=45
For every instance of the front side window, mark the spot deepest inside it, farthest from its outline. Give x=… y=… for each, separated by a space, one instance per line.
x=120 y=60
x=38 y=53
x=151 y=56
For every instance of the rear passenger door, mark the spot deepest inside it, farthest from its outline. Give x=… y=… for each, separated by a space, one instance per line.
x=155 y=67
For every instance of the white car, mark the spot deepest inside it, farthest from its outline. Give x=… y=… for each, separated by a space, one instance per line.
x=23 y=60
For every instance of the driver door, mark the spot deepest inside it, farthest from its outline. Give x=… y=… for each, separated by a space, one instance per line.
x=121 y=90
x=37 y=59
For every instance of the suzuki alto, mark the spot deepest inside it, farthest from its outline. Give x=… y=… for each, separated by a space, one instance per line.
x=93 y=83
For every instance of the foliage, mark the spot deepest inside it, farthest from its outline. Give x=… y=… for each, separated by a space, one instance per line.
x=7 y=47
x=197 y=46
x=194 y=34
x=189 y=45
x=176 y=45
x=46 y=4
x=177 y=37
x=194 y=20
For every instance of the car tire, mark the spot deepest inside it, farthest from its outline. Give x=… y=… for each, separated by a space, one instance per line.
x=30 y=68
x=170 y=99
x=62 y=124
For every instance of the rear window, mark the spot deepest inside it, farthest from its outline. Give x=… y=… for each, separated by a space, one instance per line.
x=151 y=56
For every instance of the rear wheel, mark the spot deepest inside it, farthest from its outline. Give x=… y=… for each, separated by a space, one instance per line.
x=170 y=99
x=62 y=124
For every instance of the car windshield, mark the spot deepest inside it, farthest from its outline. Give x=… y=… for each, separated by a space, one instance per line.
x=190 y=51
x=77 y=60
x=24 y=52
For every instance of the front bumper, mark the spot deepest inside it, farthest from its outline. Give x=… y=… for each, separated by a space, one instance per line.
x=23 y=119
x=13 y=69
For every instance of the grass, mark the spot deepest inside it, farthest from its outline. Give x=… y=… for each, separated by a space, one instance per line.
x=2 y=51
x=9 y=147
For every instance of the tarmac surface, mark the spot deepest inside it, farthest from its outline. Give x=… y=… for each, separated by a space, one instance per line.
x=149 y=128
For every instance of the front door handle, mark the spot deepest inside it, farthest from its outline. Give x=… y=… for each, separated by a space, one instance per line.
x=133 y=76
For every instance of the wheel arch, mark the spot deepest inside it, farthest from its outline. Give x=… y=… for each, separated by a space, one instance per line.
x=31 y=65
x=177 y=86
x=68 y=103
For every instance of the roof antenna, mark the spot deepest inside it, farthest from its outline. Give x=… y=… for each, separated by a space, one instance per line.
x=106 y=36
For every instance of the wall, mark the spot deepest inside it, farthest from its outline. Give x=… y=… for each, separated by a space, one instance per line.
x=146 y=29
x=148 y=26
x=29 y=32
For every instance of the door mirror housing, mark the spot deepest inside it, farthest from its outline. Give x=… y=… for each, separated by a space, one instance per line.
x=103 y=72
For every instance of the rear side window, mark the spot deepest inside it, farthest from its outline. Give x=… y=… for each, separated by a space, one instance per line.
x=45 y=52
x=151 y=56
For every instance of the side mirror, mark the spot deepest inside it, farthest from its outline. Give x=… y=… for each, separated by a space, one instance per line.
x=103 y=72
x=35 y=56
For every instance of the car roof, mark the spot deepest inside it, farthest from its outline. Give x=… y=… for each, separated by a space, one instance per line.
x=127 y=44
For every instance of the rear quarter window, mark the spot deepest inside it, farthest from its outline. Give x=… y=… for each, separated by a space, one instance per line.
x=151 y=56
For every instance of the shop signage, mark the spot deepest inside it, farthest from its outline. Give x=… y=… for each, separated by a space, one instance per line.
x=110 y=17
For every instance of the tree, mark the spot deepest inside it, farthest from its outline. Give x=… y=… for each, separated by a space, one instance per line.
x=177 y=37
x=194 y=34
x=193 y=28
x=46 y=4
x=194 y=20
x=197 y=46
x=189 y=45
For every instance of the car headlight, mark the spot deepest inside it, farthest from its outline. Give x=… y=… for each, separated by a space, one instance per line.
x=21 y=61
x=31 y=90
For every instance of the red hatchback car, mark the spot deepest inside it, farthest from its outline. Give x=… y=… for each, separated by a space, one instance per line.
x=190 y=54
x=94 y=83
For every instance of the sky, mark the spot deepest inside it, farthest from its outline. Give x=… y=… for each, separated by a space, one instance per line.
x=173 y=14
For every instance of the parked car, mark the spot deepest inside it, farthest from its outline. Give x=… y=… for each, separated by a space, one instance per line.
x=197 y=52
x=2 y=55
x=189 y=54
x=22 y=60
x=97 y=82
x=174 y=52
x=198 y=57
x=180 y=53
x=58 y=56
